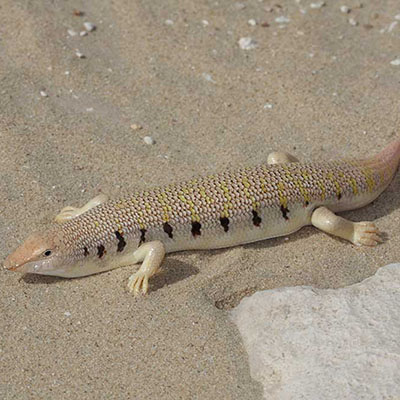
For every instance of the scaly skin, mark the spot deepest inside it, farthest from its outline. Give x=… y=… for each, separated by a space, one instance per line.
x=221 y=210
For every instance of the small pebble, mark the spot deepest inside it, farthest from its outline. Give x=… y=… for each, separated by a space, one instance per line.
x=317 y=5
x=67 y=314
x=353 y=22
x=397 y=17
x=78 y=13
x=79 y=54
x=252 y=22
x=247 y=43
x=136 y=127
x=208 y=77
x=204 y=22
x=43 y=93
x=282 y=19
x=395 y=62
x=71 y=32
x=344 y=9
x=392 y=26
x=66 y=73
x=90 y=109
x=169 y=22
x=268 y=106
x=265 y=24
x=83 y=33
x=149 y=140
x=89 y=26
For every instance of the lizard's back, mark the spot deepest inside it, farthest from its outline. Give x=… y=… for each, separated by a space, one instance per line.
x=234 y=207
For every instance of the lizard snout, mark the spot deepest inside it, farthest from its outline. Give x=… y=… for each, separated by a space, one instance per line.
x=11 y=263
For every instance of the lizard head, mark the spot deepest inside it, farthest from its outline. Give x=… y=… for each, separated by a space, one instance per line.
x=39 y=254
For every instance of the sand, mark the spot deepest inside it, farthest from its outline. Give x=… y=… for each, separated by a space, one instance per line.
x=316 y=86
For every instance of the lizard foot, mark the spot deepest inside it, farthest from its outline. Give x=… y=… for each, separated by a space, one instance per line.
x=69 y=212
x=138 y=282
x=152 y=255
x=366 y=234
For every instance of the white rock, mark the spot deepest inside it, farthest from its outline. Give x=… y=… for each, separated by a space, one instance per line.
x=71 y=32
x=247 y=43
x=79 y=54
x=268 y=106
x=395 y=62
x=43 y=93
x=397 y=17
x=169 y=22
x=89 y=26
x=308 y=343
x=204 y=22
x=317 y=5
x=282 y=19
x=83 y=33
x=149 y=140
x=252 y=22
x=353 y=22
x=344 y=9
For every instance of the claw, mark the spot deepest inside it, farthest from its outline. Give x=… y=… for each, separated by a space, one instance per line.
x=138 y=282
x=366 y=234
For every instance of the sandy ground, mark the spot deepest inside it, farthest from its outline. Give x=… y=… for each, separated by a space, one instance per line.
x=316 y=86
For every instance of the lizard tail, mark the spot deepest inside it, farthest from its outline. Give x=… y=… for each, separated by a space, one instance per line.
x=385 y=164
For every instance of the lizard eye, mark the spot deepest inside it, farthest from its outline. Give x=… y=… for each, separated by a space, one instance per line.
x=47 y=253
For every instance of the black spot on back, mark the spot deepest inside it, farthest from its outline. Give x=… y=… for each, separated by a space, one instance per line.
x=256 y=218
x=100 y=250
x=85 y=251
x=142 y=236
x=284 y=211
x=121 y=241
x=225 y=223
x=168 y=229
x=339 y=196
x=196 y=226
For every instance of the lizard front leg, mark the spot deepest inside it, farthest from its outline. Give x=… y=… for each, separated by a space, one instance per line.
x=280 y=157
x=70 y=212
x=152 y=254
x=359 y=233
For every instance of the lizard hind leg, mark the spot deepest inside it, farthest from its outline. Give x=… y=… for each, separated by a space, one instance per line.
x=69 y=212
x=280 y=157
x=359 y=233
